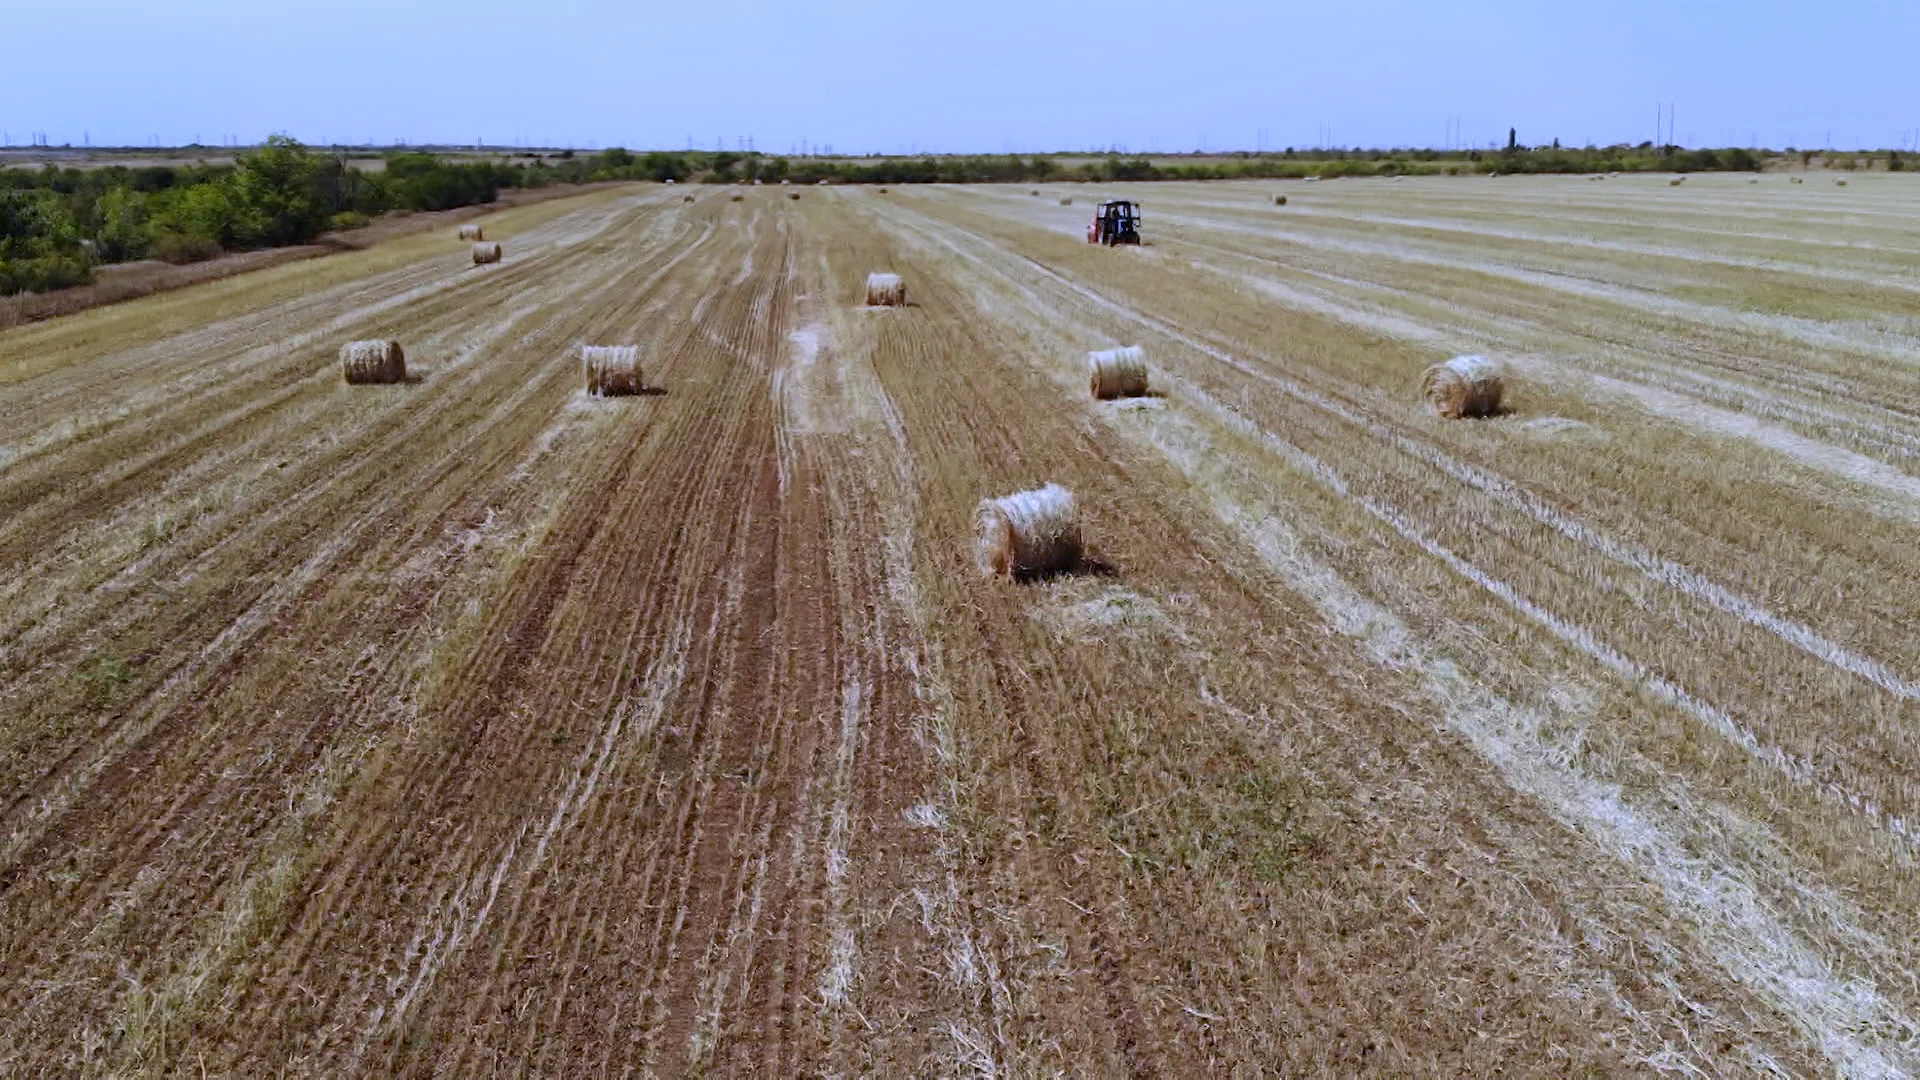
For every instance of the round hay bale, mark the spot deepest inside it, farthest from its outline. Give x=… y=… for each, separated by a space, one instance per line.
x=1840 y=180
x=612 y=370
x=1113 y=373
x=1066 y=200
x=472 y=232
x=736 y=197
x=373 y=362
x=794 y=195
x=783 y=183
x=1035 y=191
x=1464 y=386
x=883 y=191
x=486 y=252
x=886 y=290
x=668 y=180
x=1279 y=200
x=1028 y=532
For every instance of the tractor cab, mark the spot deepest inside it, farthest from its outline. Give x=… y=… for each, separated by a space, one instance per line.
x=1116 y=221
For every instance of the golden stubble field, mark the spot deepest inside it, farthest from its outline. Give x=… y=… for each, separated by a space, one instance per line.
x=474 y=726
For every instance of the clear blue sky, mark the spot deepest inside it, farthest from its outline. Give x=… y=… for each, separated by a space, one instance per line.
x=985 y=75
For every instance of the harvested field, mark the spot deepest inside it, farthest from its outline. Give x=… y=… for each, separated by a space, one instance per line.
x=118 y=282
x=474 y=724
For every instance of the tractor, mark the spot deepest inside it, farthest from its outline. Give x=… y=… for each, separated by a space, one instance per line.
x=1116 y=221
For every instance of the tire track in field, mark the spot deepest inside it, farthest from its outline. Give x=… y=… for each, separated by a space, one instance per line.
x=1732 y=355
x=879 y=982
x=908 y=352
x=190 y=365
x=1191 y=990
x=690 y=487
x=1809 y=333
x=1553 y=241
x=522 y=632
x=72 y=525
x=339 y=468
x=1798 y=769
x=1757 y=949
x=1786 y=393
x=1514 y=497
x=339 y=452
x=502 y=409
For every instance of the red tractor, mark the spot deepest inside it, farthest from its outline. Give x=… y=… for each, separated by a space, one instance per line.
x=1116 y=221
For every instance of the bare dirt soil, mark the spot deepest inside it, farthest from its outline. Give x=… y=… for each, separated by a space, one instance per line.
x=475 y=726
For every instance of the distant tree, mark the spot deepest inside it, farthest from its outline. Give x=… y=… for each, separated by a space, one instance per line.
x=120 y=232
x=279 y=184
x=40 y=245
x=186 y=224
x=664 y=166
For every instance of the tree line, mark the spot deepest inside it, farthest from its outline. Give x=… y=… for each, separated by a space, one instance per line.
x=724 y=168
x=56 y=224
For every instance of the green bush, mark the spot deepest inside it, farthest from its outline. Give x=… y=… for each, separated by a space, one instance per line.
x=43 y=272
x=120 y=230
x=186 y=224
x=183 y=247
x=663 y=166
x=40 y=244
x=277 y=194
